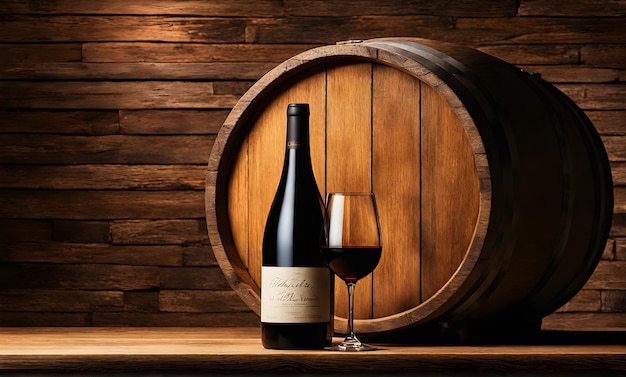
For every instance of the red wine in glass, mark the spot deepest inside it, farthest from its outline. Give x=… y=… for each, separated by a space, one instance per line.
x=351 y=263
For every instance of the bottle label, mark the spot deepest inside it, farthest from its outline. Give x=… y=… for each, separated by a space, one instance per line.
x=295 y=294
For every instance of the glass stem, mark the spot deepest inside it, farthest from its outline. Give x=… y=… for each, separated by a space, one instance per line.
x=351 y=286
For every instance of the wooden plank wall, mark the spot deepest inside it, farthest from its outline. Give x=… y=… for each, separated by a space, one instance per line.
x=108 y=110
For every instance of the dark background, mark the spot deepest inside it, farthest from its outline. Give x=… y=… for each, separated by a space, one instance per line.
x=108 y=111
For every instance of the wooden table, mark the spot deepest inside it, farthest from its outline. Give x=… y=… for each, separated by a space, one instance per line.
x=239 y=351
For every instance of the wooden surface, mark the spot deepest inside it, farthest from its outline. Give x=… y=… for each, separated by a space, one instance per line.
x=108 y=111
x=239 y=350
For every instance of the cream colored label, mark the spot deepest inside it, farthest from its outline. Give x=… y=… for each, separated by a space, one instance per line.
x=295 y=294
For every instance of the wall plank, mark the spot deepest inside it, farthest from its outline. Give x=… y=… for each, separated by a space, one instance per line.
x=25 y=230
x=194 y=278
x=132 y=52
x=608 y=275
x=535 y=54
x=184 y=122
x=141 y=301
x=95 y=253
x=584 y=321
x=110 y=122
x=574 y=73
x=331 y=29
x=604 y=55
x=18 y=28
x=60 y=122
x=104 y=176
x=38 y=53
x=614 y=301
x=616 y=147
x=110 y=149
x=158 y=231
x=113 y=95
x=584 y=8
x=609 y=122
x=101 y=277
x=618 y=228
x=103 y=204
x=60 y=300
x=266 y=8
x=541 y=30
x=620 y=249
x=618 y=170
x=596 y=96
x=51 y=319
x=81 y=231
x=138 y=319
x=329 y=8
x=137 y=71
x=199 y=256
x=619 y=193
x=186 y=301
x=587 y=300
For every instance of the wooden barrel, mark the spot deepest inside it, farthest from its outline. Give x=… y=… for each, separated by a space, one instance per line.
x=494 y=189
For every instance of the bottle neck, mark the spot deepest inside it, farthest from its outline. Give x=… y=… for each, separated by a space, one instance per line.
x=297 y=132
x=298 y=126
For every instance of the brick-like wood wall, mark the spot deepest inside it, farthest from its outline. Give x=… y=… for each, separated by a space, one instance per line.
x=108 y=111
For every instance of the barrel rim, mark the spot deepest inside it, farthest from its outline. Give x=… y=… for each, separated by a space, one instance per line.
x=374 y=52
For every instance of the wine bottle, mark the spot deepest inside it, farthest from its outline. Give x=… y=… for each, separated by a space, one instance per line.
x=296 y=286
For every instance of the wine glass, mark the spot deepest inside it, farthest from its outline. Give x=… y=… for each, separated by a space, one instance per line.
x=351 y=247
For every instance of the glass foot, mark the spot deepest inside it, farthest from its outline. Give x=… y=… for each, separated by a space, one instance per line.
x=351 y=345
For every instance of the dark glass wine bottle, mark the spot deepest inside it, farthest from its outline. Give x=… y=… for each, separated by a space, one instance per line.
x=296 y=287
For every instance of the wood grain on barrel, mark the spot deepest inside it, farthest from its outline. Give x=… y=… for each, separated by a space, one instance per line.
x=348 y=155
x=450 y=192
x=366 y=122
x=396 y=169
